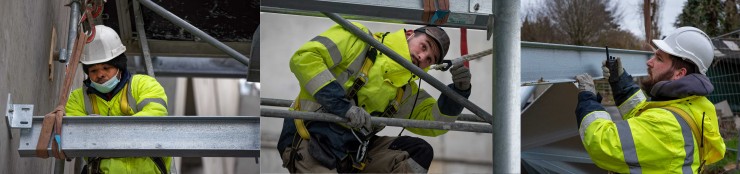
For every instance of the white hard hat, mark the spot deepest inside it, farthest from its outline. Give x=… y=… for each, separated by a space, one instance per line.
x=689 y=43
x=105 y=46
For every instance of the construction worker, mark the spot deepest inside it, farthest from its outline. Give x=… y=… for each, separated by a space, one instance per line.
x=674 y=131
x=111 y=90
x=342 y=75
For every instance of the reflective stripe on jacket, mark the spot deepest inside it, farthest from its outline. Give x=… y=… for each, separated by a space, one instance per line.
x=149 y=99
x=650 y=138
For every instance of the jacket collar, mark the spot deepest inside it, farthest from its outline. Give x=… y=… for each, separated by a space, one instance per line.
x=125 y=78
x=397 y=74
x=692 y=84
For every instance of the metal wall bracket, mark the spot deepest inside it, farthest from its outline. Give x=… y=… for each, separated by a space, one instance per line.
x=17 y=115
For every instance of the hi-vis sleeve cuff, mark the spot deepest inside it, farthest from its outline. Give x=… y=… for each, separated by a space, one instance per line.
x=590 y=118
x=632 y=102
x=318 y=81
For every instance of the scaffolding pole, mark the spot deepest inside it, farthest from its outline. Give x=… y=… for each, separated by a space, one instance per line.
x=195 y=31
x=411 y=67
x=287 y=103
x=139 y=18
x=467 y=127
x=74 y=18
x=506 y=81
x=126 y=136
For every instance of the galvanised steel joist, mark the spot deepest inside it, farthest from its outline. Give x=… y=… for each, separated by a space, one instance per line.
x=127 y=136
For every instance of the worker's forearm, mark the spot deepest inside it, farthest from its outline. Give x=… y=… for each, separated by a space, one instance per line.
x=588 y=102
x=331 y=97
x=624 y=88
x=448 y=106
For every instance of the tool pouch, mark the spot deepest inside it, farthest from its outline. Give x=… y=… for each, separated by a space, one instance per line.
x=318 y=149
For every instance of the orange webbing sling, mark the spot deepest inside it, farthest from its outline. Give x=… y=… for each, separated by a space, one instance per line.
x=53 y=121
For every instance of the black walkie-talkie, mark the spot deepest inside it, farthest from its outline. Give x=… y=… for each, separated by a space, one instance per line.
x=611 y=63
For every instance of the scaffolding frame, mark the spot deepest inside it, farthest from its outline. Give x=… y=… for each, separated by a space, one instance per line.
x=506 y=155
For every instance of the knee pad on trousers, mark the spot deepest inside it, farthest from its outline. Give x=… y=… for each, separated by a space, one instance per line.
x=418 y=149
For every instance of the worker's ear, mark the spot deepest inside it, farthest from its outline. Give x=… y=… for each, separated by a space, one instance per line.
x=677 y=74
x=409 y=33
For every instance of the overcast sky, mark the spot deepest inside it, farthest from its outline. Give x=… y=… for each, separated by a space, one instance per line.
x=633 y=20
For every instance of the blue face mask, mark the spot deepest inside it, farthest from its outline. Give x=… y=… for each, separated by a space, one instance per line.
x=107 y=86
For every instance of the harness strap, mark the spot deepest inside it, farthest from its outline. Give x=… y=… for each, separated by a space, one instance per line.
x=694 y=128
x=91 y=106
x=159 y=162
x=125 y=99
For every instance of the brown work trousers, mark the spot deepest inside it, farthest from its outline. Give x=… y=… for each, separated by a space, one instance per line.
x=384 y=159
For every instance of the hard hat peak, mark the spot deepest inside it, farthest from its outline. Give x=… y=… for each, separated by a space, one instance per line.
x=105 y=46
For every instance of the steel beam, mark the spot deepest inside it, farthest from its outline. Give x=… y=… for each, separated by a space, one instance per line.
x=546 y=63
x=467 y=127
x=192 y=67
x=463 y=13
x=126 y=136
x=195 y=31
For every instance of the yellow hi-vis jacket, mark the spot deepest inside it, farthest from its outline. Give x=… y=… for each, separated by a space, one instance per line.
x=145 y=97
x=337 y=55
x=667 y=136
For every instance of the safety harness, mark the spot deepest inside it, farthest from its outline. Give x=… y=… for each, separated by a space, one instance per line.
x=125 y=104
x=361 y=77
x=698 y=135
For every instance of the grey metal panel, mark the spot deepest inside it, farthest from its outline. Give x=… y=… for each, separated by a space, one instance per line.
x=551 y=117
x=544 y=63
x=126 y=136
x=407 y=11
x=546 y=166
x=185 y=48
x=550 y=141
x=567 y=150
x=192 y=67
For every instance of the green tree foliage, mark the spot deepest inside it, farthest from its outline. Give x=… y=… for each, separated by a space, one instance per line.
x=714 y=17
x=577 y=22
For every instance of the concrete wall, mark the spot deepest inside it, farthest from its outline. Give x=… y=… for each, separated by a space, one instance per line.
x=25 y=31
x=455 y=152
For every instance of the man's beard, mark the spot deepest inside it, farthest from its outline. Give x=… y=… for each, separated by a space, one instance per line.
x=649 y=83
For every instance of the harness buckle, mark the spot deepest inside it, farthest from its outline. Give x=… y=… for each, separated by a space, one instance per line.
x=359 y=160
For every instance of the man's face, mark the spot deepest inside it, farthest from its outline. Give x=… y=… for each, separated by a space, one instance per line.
x=424 y=51
x=660 y=67
x=101 y=73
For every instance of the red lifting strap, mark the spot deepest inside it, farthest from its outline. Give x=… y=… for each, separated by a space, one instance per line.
x=438 y=8
x=464 y=44
x=52 y=124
